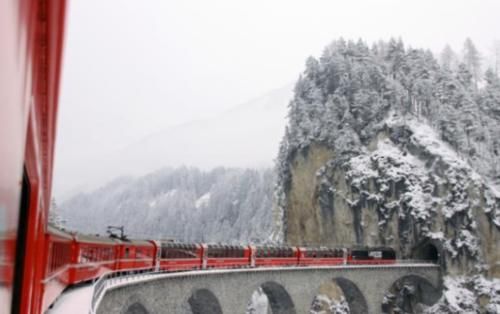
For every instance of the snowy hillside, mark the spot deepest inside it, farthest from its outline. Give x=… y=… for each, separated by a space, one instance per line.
x=186 y=204
x=387 y=146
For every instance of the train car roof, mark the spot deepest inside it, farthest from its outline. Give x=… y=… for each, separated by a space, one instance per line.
x=274 y=246
x=380 y=248
x=59 y=232
x=137 y=242
x=229 y=246
x=168 y=243
x=86 y=238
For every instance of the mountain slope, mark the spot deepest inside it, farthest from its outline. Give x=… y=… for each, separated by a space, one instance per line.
x=186 y=204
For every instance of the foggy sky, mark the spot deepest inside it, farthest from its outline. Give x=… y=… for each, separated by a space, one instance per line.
x=132 y=67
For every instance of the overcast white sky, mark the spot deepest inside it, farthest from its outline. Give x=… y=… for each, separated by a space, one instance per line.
x=135 y=67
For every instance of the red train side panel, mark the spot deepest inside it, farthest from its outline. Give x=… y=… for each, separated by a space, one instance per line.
x=61 y=248
x=321 y=256
x=136 y=255
x=31 y=35
x=180 y=256
x=267 y=256
x=96 y=256
x=227 y=256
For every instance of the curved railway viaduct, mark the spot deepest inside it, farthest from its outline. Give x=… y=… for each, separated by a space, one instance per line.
x=289 y=290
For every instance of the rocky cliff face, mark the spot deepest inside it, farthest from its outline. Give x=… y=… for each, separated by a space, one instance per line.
x=386 y=147
x=405 y=189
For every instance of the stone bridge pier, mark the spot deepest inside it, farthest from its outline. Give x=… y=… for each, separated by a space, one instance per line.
x=289 y=290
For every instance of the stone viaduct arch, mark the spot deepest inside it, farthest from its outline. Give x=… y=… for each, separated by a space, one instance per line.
x=407 y=292
x=134 y=305
x=279 y=299
x=136 y=308
x=289 y=290
x=353 y=296
x=203 y=301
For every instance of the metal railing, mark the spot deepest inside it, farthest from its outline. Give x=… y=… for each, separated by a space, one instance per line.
x=112 y=278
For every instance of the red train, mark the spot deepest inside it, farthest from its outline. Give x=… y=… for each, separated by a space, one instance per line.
x=73 y=259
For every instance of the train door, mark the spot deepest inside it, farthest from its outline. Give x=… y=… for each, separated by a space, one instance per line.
x=157 y=255
x=21 y=245
x=253 y=250
x=204 y=256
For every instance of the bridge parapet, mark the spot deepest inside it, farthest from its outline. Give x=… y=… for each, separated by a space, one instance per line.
x=233 y=288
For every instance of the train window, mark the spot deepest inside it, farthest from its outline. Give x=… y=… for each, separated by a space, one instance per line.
x=127 y=252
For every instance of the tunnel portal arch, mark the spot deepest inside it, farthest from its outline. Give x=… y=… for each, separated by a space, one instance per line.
x=428 y=250
x=203 y=301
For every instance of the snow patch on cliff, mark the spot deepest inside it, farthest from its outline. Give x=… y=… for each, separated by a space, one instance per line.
x=203 y=201
x=323 y=304
x=461 y=295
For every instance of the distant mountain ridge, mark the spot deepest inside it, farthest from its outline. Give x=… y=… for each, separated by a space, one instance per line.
x=185 y=204
x=245 y=136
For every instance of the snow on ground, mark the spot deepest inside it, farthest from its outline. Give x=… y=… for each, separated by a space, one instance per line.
x=74 y=301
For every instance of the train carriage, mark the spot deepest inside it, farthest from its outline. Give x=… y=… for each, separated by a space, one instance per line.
x=226 y=256
x=321 y=256
x=136 y=255
x=268 y=256
x=60 y=258
x=179 y=256
x=95 y=257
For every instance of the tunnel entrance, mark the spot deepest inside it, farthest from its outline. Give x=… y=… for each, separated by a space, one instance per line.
x=427 y=251
x=271 y=297
x=136 y=308
x=203 y=301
